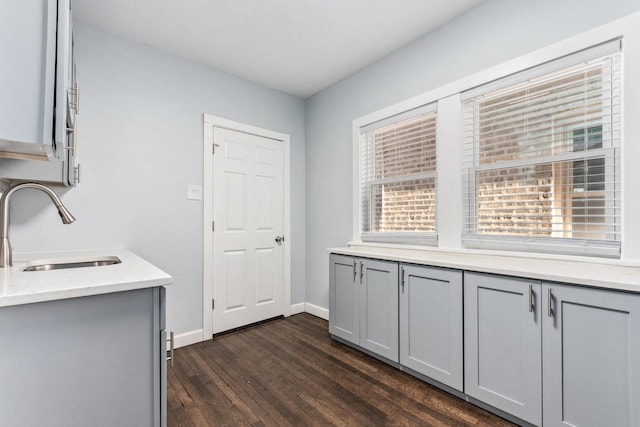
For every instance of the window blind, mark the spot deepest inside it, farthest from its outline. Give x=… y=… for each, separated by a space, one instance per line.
x=541 y=158
x=398 y=178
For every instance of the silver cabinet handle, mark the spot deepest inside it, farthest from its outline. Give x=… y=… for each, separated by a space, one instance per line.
x=354 y=270
x=77 y=177
x=530 y=298
x=549 y=299
x=402 y=278
x=361 y=271
x=74 y=132
x=75 y=93
x=170 y=341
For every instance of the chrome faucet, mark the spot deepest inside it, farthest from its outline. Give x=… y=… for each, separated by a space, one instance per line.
x=5 y=246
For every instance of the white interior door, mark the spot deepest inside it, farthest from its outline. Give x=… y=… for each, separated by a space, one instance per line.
x=248 y=216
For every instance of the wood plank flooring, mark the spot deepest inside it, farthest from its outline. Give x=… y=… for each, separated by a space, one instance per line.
x=288 y=372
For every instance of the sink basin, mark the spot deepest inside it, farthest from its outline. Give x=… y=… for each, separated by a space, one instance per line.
x=47 y=265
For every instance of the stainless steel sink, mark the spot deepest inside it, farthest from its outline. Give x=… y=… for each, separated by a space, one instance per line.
x=46 y=265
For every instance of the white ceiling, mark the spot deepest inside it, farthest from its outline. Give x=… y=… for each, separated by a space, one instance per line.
x=296 y=46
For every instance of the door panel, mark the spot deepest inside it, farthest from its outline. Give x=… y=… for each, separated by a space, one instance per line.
x=503 y=362
x=431 y=323
x=499 y=333
x=236 y=202
x=248 y=215
x=592 y=348
x=235 y=266
x=265 y=194
x=265 y=287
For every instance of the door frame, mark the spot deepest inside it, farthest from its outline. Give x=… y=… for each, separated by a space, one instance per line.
x=209 y=122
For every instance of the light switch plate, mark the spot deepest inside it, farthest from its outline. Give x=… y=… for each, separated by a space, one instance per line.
x=194 y=192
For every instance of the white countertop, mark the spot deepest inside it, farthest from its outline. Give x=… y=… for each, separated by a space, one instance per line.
x=21 y=287
x=586 y=273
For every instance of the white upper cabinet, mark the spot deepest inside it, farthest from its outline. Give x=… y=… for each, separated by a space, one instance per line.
x=67 y=95
x=28 y=34
x=39 y=97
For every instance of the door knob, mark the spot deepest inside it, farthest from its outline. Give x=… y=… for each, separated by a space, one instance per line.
x=279 y=239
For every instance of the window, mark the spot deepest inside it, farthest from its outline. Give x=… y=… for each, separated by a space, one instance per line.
x=541 y=157
x=398 y=178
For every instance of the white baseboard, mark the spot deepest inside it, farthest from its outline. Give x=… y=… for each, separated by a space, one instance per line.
x=297 y=308
x=305 y=307
x=316 y=310
x=196 y=336
x=188 y=338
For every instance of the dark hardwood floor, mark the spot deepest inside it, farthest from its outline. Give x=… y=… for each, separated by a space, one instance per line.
x=288 y=372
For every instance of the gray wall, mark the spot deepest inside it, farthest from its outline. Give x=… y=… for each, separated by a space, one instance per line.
x=494 y=32
x=140 y=145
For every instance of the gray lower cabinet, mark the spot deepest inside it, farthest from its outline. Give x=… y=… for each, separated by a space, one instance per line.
x=89 y=361
x=553 y=354
x=344 y=314
x=431 y=323
x=364 y=303
x=548 y=354
x=591 y=359
x=379 y=307
x=503 y=348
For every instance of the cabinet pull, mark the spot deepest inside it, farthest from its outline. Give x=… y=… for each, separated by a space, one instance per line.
x=77 y=177
x=361 y=271
x=402 y=279
x=549 y=299
x=75 y=93
x=530 y=298
x=170 y=341
x=74 y=132
x=354 y=270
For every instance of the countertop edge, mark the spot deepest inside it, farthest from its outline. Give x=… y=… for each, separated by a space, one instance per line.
x=61 y=294
x=19 y=288
x=605 y=276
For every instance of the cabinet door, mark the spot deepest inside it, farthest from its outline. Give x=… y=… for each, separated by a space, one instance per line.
x=66 y=94
x=591 y=357
x=39 y=47
x=86 y=361
x=160 y=358
x=344 y=315
x=27 y=78
x=502 y=361
x=379 y=308
x=431 y=323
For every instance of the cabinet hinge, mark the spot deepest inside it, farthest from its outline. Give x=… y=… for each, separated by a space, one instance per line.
x=213 y=148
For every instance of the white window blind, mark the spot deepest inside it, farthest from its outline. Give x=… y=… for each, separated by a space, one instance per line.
x=398 y=178
x=541 y=157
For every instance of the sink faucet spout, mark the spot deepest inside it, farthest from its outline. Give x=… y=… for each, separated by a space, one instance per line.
x=5 y=245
